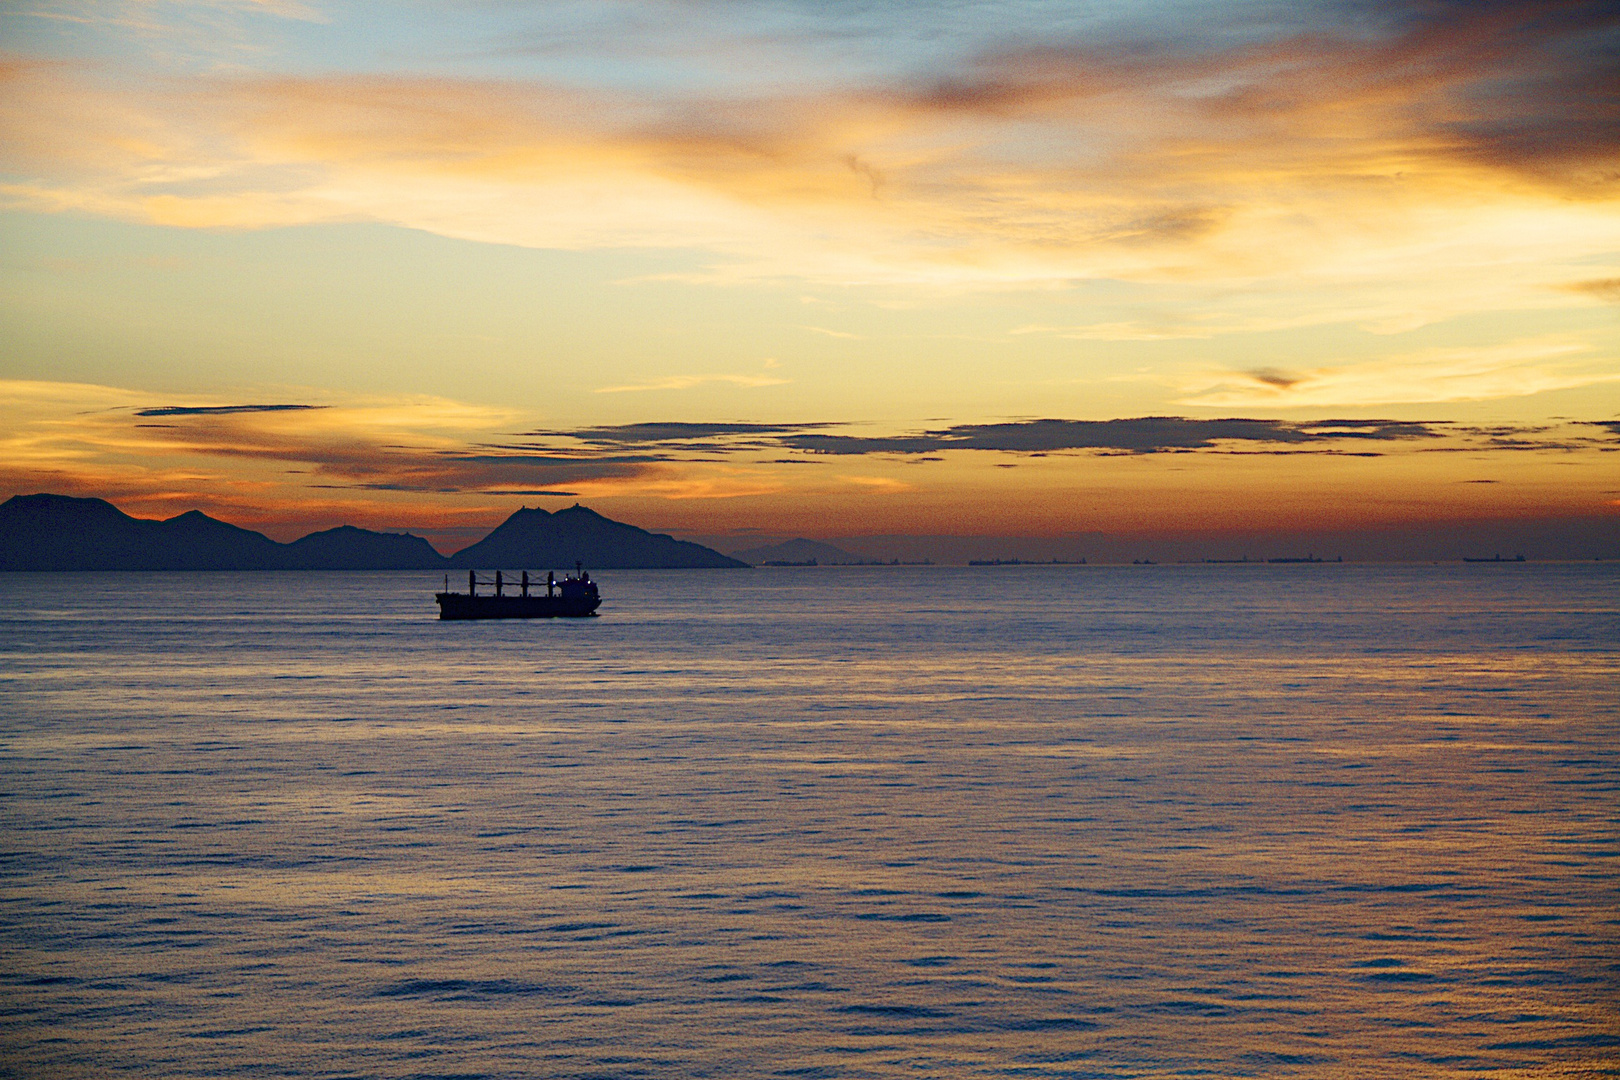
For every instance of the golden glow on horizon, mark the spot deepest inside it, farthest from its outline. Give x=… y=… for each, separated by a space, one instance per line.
x=433 y=463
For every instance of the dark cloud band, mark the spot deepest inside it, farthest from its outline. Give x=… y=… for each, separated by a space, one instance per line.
x=1140 y=435
x=564 y=459
x=222 y=410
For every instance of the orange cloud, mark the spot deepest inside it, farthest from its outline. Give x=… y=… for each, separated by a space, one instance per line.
x=343 y=453
x=1510 y=369
x=123 y=441
x=1353 y=166
x=1603 y=288
x=687 y=382
x=388 y=462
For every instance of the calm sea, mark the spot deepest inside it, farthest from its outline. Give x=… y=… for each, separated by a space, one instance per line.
x=1327 y=821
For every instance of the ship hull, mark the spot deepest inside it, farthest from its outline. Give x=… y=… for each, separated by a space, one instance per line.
x=462 y=606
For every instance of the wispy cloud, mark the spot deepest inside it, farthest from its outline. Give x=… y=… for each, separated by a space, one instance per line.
x=384 y=460
x=151 y=16
x=687 y=382
x=359 y=456
x=1140 y=435
x=1354 y=159
x=1511 y=369
x=1117 y=331
x=56 y=430
x=1128 y=436
x=1611 y=426
x=1602 y=288
x=221 y=410
x=680 y=434
x=288 y=9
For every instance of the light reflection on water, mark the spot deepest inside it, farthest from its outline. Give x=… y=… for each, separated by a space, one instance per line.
x=1036 y=822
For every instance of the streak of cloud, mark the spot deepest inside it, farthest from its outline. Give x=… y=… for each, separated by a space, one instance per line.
x=221 y=410
x=355 y=459
x=1131 y=436
x=408 y=445
x=382 y=460
x=1348 y=152
x=1141 y=435
x=687 y=382
x=681 y=435
x=1602 y=288
x=1511 y=369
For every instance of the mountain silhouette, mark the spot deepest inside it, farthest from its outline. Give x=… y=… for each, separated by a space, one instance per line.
x=60 y=532
x=799 y=550
x=577 y=534
x=57 y=532
x=349 y=548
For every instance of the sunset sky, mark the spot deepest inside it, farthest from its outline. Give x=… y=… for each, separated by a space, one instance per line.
x=833 y=268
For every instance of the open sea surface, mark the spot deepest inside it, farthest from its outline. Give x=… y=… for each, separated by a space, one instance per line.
x=1035 y=822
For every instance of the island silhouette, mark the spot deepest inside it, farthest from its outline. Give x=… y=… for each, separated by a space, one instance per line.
x=61 y=532
x=799 y=552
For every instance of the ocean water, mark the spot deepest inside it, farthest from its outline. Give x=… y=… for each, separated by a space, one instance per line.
x=1317 y=821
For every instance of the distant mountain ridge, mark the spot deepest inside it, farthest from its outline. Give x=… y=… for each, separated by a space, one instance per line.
x=349 y=548
x=579 y=534
x=60 y=532
x=800 y=550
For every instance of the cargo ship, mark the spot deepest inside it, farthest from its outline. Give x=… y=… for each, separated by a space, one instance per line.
x=573 y=597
